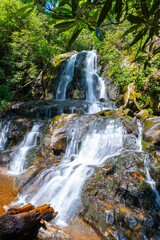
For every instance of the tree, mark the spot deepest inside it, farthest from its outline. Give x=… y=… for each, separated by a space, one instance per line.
x=96 y=15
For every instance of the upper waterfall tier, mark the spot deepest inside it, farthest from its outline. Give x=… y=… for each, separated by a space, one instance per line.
x=79 y=80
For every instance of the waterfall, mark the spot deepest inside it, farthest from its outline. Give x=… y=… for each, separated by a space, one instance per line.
x=30 y=140
x=95 y=85
x=91 y=72
x=66 y=78
x=61 y=186
x=4 y=128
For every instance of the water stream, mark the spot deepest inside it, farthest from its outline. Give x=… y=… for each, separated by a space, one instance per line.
x=30 y=140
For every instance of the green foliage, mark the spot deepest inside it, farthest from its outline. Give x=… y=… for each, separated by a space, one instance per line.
x=28 y=43
x=143 y=15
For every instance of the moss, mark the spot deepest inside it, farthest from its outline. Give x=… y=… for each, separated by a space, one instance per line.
x=106 y=113
x=145 y=145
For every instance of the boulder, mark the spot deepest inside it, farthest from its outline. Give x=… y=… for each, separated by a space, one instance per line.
x=113 y=90
x=152 y=131
x=143 y=114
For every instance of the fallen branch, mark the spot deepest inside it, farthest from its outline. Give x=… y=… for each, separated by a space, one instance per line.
x=24 y=223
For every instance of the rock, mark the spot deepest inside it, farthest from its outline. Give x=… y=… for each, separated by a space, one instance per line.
x=113 y=90
x=152 y=131
x=58 y=130
x=52 y=232
x=128 y=112
x=78 y=83
x=120 y=202
x=25 y=176
x=143 y=114
x=103 y=100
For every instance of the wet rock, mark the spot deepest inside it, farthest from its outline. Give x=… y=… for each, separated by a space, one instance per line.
x=52 y=232
x=113 y=90
x=25 y=177
x=78 y=83
x=58 y=130
x=130 y=124
x=118 y=203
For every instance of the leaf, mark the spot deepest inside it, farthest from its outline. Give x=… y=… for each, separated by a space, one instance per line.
x=64 y=24
x=134 y=19
x=90 y=28
x=107 y=6
x=129 y=30
x=63 y=2
x=118 y=9
x=157 y=50
x=157 y=16
x=27 y=13
x=151 y=45
x=147 y=63
x=22 y=10
x=74 y=7
x=61 y=30
x=145 y=43
x=154 y=7
x=63 y=16
x=138 y=36
x=144 y=9
x=139 y=59
x=74 y=36
x=99 y=34
x=62 y=9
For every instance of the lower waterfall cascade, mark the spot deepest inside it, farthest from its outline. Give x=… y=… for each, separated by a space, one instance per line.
x=98 y=168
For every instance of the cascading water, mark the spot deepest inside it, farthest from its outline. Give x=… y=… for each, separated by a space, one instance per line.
x=30 y=140
x=4 y=128
x=61 y=186
x=150 y=179
x=146 y=164
x=66 y=78
x=94 y=83
x=139 y=139
x=91 y=74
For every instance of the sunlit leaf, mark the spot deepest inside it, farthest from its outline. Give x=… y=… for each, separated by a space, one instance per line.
x=27 y=13
x=22 y=10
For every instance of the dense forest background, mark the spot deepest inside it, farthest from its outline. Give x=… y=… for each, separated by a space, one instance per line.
x=33 y=35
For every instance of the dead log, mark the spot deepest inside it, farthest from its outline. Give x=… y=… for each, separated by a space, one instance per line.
x=24 y=223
